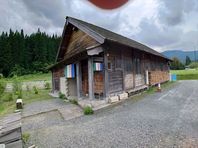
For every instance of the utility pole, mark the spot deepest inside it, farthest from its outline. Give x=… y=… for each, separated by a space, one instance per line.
x=195 y=55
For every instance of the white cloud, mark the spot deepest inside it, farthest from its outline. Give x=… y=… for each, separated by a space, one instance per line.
x=161 y=24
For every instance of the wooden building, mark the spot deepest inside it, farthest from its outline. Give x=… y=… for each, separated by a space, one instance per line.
x=93 y=62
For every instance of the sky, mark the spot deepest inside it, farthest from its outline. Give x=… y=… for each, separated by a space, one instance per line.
x=159 y=24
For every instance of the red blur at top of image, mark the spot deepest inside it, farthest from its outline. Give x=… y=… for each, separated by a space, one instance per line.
x=108 y=4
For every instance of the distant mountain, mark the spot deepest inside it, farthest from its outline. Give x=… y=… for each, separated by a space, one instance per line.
x=181 y=55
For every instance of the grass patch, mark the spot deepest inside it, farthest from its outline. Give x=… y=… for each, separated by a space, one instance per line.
x=188 y=77
x=32 y=77
x=163 y=86
x=190 y=74
x=185 y=72
x=8 y=100
x=88 y=110
x=7 y=107
x=1 y=108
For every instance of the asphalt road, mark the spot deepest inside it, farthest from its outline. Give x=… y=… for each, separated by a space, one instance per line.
x=166 y=119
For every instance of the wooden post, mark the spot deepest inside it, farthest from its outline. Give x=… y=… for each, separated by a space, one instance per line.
x=90 y=78
x=147 y=77
x=134 y=67
x=79 y=79
x=123 y=71
x=53 y=81
x=106 y=76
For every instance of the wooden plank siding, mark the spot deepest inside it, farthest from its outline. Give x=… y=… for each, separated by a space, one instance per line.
x=115 y=71
x=128 y=69
x=84 y=70
x=79 y=41
x=139 y=69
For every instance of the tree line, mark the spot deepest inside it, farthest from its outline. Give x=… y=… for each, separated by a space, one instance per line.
x=24 y=54
x=176 y=64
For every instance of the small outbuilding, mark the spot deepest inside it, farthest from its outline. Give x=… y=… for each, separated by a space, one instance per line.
x=95 y=63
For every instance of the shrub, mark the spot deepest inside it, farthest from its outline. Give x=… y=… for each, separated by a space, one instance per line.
x=193 y=65
x=47 y=85
x=74 y=101
x=17 y=70
x=27 y=87
x=2 y=87
x=88 y=110
x=1 y=76
x=65 y=98
x=25 y=137
x=8 y=97
x=35 y=90
x=19 y=95
x=61 y=95
x=16 y=86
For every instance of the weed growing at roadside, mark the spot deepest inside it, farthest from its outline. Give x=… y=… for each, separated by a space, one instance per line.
x=35 y=90
x=19 y=96
x=74 y=101
x=16 y=86
x=88 y=110
x=61 y=95
x=47 y=85
x=2 y=87
x=27 y=88
x=8 y=97
x=25 y=137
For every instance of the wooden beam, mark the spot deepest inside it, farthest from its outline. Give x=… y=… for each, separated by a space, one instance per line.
x=90 y=78
x=94 y=51
x=106 y=75
x=79 y=79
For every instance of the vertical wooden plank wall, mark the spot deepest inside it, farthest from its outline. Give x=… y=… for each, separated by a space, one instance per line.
x=79 y=79
x=115 y=73
x=128 y=69
x=90 y=78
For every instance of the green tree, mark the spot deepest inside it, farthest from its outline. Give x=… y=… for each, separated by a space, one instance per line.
x=22 y=54
x=176 y=64
x=188 y=60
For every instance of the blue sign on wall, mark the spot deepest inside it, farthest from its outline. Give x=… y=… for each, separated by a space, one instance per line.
x=173 y=77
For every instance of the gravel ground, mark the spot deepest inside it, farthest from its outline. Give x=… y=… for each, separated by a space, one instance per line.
x=166 y=119
x=42 y=120
x=42 y=106
x=47 y=113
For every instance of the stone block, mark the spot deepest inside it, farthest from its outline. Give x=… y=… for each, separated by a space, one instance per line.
x=113 y=99
x=123 y=96
x=19 y=104
x=2 y=145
